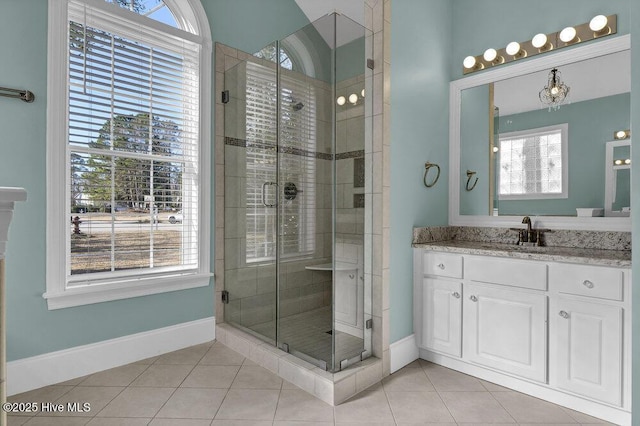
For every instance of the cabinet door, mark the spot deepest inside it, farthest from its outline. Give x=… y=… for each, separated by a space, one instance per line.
x=506 y=330
x=442 y=316
x=586 y=349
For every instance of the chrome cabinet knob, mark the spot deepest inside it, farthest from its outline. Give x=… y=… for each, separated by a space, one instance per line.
x=441 y=265
x=456 y=295
x=587 y=284
x=473 y=298
x=563 y=314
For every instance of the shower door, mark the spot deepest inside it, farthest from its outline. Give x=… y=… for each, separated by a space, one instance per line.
x=251 y=197
x=295 y=268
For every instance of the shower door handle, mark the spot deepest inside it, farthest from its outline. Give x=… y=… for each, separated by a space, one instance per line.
x=264 y=198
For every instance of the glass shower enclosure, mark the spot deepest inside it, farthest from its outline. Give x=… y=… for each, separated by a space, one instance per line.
x=298 y=193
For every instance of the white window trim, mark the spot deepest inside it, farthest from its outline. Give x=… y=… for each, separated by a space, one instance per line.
x=564 y=130
x=57 y=294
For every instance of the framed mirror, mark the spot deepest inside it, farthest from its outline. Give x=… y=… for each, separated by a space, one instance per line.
x=533 y=159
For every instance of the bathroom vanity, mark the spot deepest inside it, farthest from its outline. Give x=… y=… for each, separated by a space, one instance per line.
x=554 y=323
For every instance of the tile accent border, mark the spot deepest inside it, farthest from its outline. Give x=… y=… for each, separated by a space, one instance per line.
x=350 y=154
x=243 y=143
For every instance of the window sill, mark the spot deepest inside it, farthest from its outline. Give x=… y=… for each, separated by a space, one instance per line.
x=124 y=289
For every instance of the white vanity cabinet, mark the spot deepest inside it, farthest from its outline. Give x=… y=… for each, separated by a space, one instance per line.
x=557 y=331
x=442 y=322
x=586 y=323
x=505 y=329
x=439 y=302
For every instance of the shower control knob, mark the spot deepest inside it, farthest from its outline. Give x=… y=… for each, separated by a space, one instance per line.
x=441 y=265
x=456 y=295
x=473 y=298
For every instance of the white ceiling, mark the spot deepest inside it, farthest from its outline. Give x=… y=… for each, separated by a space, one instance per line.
x=352 y=9
x=595 y=78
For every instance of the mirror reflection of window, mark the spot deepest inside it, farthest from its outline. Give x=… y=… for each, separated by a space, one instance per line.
x=532 y=162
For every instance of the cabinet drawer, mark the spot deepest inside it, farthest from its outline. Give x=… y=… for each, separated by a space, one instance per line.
x=517 y=273
x=442 y=264
x=592 y=281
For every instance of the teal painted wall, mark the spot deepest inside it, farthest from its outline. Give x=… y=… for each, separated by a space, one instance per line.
x=351 y=59
x=32 y=329
x=474 y=150
x=634 y=16
x=591 y=126
x=420 y=58
x=249 y=25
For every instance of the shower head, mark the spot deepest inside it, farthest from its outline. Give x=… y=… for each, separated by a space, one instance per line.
x=298 y=106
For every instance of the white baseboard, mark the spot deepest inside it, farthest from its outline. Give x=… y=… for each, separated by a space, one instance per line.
x=403 y=352
x=54 y=367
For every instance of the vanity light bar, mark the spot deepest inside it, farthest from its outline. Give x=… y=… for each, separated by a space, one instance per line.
x=599 y=26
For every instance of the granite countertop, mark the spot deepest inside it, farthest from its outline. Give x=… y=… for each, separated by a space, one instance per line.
x=620 y=258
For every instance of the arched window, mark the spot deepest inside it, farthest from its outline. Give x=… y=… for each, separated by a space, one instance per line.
x=154 y=9
x=127 y=147
x=269 y=53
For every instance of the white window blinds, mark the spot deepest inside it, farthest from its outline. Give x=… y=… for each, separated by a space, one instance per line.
x=133 y=115
x=296 y=164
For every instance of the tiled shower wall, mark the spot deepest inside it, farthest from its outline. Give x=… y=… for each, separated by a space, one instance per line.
x=350 y=163
x=377 y=241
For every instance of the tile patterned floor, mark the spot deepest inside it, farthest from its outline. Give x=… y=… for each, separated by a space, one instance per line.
x=211 y=385
x=307 y=333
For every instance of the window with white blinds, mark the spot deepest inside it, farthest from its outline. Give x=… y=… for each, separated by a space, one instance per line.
x=133 y=132
x=296 y=164
x=533 y=163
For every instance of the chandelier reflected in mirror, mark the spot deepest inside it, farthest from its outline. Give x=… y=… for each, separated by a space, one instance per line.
x=555 y=92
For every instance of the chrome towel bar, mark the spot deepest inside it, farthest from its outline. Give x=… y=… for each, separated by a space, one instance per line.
x=25 y=95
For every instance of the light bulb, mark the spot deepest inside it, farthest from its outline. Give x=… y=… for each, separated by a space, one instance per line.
x=341 y=100
x=618 y=162
x=353 y=98
x=539 y=40
x=362 y=93
x=513 y=48
x=554 y=90
x=490 y=55
x=469 y=62
x=627 y=161
x=495 y=149
x=598 y=23
x=621 y=134
x=568 y=34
